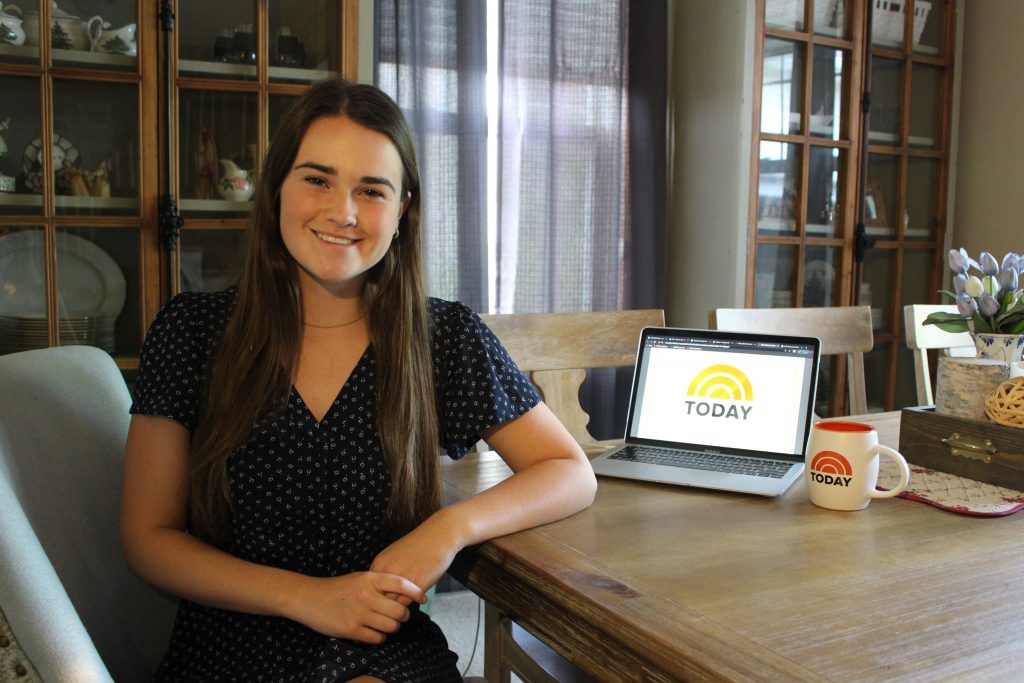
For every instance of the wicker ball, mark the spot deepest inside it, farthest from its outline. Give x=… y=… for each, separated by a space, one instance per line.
x=1005 y=405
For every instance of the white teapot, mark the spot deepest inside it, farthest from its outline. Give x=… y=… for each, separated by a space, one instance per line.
x=103 y=38
x=11 y=31
x=67 y=31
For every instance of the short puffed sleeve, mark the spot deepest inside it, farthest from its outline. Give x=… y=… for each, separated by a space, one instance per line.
x=479 y=386
x=175 y=355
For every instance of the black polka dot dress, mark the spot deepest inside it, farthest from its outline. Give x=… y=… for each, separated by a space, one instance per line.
x=310 y=496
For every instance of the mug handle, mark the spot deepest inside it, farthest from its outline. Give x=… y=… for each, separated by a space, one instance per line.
x=904 y=472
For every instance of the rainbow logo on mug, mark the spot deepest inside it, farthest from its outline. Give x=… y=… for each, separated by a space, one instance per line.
x=829 y=467
x=718 y=383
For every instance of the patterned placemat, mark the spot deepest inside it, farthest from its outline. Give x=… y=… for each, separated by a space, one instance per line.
x=951 y=492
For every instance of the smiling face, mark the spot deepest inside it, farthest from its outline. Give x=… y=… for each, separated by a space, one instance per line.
x=341 y=203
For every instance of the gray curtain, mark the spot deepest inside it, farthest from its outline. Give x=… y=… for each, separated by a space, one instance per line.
x=431 y=58
x=582 y=151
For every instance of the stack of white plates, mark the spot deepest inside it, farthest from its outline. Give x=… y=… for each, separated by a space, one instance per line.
x=18 y=333
x=91 y=292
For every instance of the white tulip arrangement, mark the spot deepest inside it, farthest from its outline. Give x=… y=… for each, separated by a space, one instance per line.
x=990 y=301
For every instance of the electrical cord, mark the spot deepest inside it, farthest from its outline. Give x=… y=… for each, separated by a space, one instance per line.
x=472 y=653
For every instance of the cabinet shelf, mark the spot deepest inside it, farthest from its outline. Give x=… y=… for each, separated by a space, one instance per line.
x=59 y=55
x=70 y=202
x=248 y=71
x=214 y=205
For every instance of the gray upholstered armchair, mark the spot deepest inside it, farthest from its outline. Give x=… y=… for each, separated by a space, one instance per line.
x=69 y=608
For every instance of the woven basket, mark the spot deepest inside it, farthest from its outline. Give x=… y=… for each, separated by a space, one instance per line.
x=1005 y=405
x=887 y=21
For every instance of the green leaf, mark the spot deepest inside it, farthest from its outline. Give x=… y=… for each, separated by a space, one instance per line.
x=948 y=322
x=1018 y=328
x=982 y=324
x=951 y=295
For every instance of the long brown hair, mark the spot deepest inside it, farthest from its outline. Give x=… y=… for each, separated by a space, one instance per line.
x=251 y=372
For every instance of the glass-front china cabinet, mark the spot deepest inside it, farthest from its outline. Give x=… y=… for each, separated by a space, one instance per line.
x=114 y=110
x=848 y=195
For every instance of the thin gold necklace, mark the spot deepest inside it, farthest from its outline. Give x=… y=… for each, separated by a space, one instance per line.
x=331 y=327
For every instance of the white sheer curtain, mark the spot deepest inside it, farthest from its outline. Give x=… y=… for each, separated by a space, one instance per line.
x=563 y=156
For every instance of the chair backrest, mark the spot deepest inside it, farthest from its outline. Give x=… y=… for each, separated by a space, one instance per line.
x=77 y=611
x=921 y=338
x=841 y=329
x=555 y=350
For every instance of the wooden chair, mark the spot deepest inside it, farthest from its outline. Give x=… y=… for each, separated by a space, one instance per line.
x=555 y=350
x=843 y=329
x=921 y=338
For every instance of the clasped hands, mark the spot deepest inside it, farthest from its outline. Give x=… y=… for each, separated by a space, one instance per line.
x=367 y=606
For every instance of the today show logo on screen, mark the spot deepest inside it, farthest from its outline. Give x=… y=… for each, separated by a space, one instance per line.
x=829 y=467
x=720 y=391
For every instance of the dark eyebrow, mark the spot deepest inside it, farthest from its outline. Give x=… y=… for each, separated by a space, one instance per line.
x=330 y=170
x=326 y=170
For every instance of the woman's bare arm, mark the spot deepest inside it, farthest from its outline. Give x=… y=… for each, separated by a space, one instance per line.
x=154 y=517
x=552 y=479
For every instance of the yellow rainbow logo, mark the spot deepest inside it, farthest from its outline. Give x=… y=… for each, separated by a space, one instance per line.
x=722 y=381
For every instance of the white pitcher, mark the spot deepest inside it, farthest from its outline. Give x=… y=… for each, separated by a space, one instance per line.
x=11 y=31
x=103 y=38
x=66 y=30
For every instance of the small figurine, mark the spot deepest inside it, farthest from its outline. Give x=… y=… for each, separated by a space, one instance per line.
x=99 y=186
x=78 y=179
x=206 y=168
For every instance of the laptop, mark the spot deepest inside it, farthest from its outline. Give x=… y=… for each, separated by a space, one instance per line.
x=719 y=410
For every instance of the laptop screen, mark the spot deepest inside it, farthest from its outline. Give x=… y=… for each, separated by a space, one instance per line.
x=721 y=390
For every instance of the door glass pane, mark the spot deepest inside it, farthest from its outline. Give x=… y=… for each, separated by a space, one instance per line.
x=303 y=40
x=924 y=106
x=930 y=26
x=217 y=39
x=830 y=18
x=836 y=17
x=880 y=199
x=827 y=91
x=22 y=289
x=217 y=150
x=877 y=286
x=784 y=14
x=98 y=285
x=917 y=273
x=777 y=184
x=821 y=284
x=876 y=376
x=887 y=23
x=906 y=380
x=277 y=105
x=211 y=260
x=782 y=88
x=96 y=136
x=886 y=96
x=775 y=280
x=823 y=192
x=93 y=35
x=21 y=175
x=922 y=200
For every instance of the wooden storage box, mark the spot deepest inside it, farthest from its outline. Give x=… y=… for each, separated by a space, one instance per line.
x=983 y=451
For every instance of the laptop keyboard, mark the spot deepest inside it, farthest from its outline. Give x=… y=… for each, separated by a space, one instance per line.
x=697 y=460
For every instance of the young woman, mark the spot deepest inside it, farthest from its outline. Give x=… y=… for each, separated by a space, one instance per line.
x=282 y=472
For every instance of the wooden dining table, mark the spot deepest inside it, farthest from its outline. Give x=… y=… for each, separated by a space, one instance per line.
x=664 y=583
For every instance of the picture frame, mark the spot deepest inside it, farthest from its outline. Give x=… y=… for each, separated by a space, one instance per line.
x=874 y=206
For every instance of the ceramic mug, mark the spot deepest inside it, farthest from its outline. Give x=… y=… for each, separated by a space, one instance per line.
x=842 y=465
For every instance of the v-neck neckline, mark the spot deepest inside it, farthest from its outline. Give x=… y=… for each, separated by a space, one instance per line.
x=341 y=391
